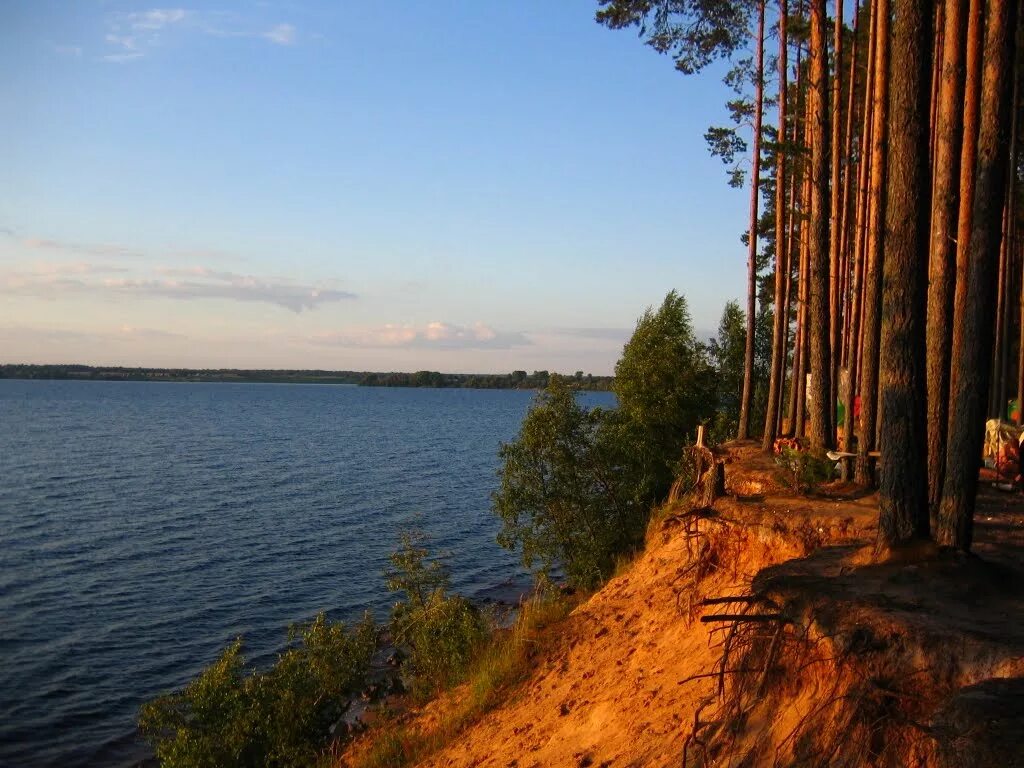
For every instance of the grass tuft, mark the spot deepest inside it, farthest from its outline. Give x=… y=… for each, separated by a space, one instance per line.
x=500 y=665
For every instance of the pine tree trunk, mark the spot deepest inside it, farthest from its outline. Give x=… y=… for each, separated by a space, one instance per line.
x=771 y=418
x=1010 y=233
x=788 y=302
x=968 y=158
x=1000 y=332
x=903 y=477
x=847 y=203
x=860 y=225
x=936 y=79
x=873 y=260
x=942 y=259
x=818 y=326
x=971 y=370
x=803 y=286
x=1015 y=243
x=755 y=192
x=835 y=210
x=796 y=234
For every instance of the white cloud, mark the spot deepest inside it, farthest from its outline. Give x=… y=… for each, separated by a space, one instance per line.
x=282 y=34
x=128 y=42
x=433 y=335
x=133 y=35
x=226 y=285
x=120 y=58
x=155 y=18
x=596 y=334
x=50 y=280
x=89 y=249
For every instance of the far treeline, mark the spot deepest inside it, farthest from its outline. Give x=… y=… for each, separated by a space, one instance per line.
x=513 y=380
x=887 y=196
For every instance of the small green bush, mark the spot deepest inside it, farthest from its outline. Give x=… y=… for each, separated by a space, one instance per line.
x=441 y=632
x=279 y=717
x=804 y=471
x=571 y=487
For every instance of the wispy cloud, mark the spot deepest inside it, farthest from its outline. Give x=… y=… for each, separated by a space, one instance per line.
x=156 y=18
x=211 y=284
x=107 y=250
x=68 y=50
x=53 y=280
x=282 y=34
x=433 y=335
x=120 y=58
x=595 y=334
x=134 y=34
x=48 y=336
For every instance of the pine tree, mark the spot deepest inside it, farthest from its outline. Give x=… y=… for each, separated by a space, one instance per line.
x=903 y=479
x=971 y=371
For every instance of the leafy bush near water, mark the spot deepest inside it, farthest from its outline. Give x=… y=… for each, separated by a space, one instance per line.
x=441 y=632
x=283 y=716
x=577 y=485
x=503 y=661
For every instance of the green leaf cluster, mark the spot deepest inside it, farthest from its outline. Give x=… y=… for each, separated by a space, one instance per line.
x=230 y=716
x=568 y=488
x=577 y=485
x=665 y=386
x=441 y=632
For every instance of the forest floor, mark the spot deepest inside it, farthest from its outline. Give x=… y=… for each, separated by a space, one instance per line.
x=762 y=633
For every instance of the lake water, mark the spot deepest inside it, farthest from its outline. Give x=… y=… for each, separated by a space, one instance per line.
x=143 y=526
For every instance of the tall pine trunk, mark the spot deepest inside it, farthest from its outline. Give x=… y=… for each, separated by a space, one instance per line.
x=859 y=239
x=755 y=195
x=818 y=326
x=942 y=259
x=1010 y=233
x=971 y=369
x=796 y=239
x=968 y=158
x=903 y=478
x=871 y=324
x=803 y=285
x=771 y=418
x=835 y=210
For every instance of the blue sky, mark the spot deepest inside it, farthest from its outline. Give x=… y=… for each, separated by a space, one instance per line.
x=462 y=186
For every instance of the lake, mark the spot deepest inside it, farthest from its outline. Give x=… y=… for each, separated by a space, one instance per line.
x=145 y=525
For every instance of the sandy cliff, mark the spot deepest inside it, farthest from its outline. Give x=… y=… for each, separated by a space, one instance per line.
x=759 y=633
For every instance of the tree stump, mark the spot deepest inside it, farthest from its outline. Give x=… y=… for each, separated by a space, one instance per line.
x=710 y=478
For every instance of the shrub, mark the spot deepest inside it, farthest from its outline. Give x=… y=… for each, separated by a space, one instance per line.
x=665 y=387
x=505 y=660
x=804 y=471
x=440 y=632
x=279 y=717
x=569 y=485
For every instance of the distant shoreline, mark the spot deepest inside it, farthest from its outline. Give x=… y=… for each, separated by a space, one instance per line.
x=418 y=379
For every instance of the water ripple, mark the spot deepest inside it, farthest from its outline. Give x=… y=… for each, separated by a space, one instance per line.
x=146 y=525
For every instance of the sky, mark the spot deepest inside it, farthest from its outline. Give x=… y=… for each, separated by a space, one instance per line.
x=454 y=185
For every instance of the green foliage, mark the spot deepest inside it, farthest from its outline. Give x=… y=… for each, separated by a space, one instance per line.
x=693 y=32
x=441 y=632
x=577 y=485
x=280 y=717
x=568 y=488
x=804 y=471
x=665 y=386
x=506 y=660
x=727 y=354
